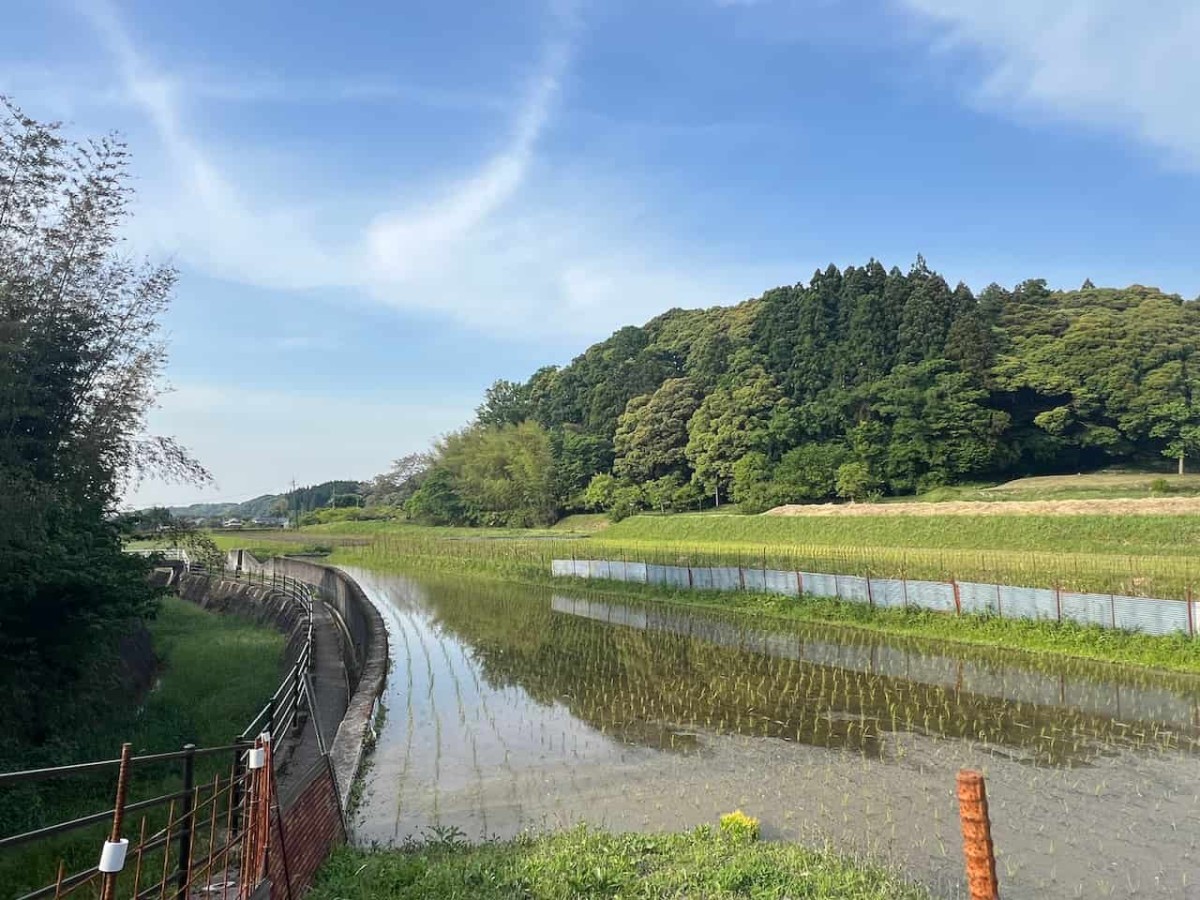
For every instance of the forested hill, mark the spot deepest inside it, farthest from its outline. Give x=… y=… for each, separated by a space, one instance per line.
x=860 y=381
x=301 y=500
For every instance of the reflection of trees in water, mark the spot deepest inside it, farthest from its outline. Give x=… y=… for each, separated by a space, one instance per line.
x=655 y=688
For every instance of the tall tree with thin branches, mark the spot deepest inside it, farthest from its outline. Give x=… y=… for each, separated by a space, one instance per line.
x=81 y=359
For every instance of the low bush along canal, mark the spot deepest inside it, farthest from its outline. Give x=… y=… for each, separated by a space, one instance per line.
x=515 y=707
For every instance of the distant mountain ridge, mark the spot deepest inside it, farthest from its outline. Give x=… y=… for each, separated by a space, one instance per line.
x=300 y=500
x=259 y=506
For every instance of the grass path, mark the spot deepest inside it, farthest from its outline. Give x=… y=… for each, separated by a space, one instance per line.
x=585 y=863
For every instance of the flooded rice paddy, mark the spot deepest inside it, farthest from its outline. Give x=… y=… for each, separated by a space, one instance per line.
x=512 y=708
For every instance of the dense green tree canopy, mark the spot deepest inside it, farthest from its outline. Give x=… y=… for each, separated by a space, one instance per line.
x=499 y=475
x=652 y=433
x=731 y=422
x=863 y=380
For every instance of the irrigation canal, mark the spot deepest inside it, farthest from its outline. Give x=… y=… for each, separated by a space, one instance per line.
x=512 y=708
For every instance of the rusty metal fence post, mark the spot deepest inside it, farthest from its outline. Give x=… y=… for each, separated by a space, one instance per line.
x=237 y=786
x=977 y=836
x=186 y=823
x=109 y=885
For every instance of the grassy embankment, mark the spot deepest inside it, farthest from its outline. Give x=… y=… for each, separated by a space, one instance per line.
x=216 y=673
x=1148 y=555
x=1110 y=484
x=584 y=863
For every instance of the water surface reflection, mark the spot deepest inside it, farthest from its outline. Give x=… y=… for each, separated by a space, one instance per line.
x=512 y=707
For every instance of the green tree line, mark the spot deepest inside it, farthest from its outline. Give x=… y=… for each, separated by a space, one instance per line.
x=860 y=382
x=80 y=357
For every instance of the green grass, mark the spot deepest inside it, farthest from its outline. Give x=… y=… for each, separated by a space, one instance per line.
x=1171 y=654
x=1111 y=484
x=216 y=672
x=587 y=863
x=1151 y=556
x=528 y=562
x=512 y=563
x=1136 y=555
x=1165 y=535
x=1108 y=484
x=582 y=523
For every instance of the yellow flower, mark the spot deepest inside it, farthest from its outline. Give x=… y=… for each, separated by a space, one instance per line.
x=739 y=826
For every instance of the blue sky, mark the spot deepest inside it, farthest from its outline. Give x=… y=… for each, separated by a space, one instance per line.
x=378 y=208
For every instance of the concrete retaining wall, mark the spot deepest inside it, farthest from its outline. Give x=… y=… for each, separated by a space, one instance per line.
x=364 y=652
x=259 y=603
x=317 y=793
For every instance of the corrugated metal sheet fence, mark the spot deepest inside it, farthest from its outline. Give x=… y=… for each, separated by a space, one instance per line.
x=1144 y=614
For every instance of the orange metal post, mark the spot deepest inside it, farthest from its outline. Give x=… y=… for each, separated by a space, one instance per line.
x=977 y=836
x=110 y=879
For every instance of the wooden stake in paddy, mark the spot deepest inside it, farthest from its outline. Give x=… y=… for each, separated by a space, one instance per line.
x=977 y=836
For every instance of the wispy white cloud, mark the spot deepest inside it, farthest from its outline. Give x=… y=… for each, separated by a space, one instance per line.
x=256 y=88
x=505 y=247
x=208 y=220
x=65 y=88
x=1108 y=63
x=402 y=243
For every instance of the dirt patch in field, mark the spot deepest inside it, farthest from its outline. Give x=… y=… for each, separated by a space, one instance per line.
x=1165 y=506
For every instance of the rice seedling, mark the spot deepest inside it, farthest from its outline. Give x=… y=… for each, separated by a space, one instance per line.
x=644 y=716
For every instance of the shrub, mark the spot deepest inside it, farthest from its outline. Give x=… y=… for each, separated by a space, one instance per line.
x=809 y=472
x=627 y=500
x=751 y=478
x=598 y=495
x=437 y=502
x=739 y=826
x=854 y=481
x=689 y=496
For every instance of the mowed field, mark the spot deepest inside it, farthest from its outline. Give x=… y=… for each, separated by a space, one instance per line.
x=1147 y=553
x=1144 y=554
x=1143 y=545
x=1062 y=494
x=1150 y=506
x=1111 y=534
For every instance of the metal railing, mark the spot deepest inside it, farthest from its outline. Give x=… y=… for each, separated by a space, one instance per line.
x=213 y=836
x=174 y=554
x=281 y=712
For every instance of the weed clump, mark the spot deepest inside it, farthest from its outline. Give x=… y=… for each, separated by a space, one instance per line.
x=739 y=826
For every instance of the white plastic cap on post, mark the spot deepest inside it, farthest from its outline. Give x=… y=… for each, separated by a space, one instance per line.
x=112 y=857
x=258 y=758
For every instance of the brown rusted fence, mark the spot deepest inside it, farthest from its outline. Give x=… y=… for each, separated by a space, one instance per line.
x=208 y=834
